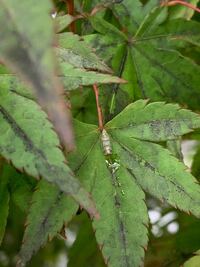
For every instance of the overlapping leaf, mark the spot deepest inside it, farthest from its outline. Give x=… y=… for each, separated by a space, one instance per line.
x=147 y=57
x=74 y=77
x=79 y=64
x=136 y=162
x=50 y=210
x=21 y=188
x=131 y=13
x=17 y=187
x=79 y=54
x=85 y=246
x=27 y=49
x=28 y=141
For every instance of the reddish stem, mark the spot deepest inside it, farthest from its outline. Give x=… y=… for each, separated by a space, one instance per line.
x=99 y=110
x=183 y=3
x=70 y=9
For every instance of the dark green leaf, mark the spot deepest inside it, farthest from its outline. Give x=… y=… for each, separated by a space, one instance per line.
x=149 y=60
x=50 y=209
x=160 y=174
x=134 y=163
x=28 y=141
x=116 y=233
x=132 y=14
x=85 y=247
x=21 y=189
x=4 y=200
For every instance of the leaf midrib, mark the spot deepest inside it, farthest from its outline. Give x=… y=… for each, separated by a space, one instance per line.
x=158 y=121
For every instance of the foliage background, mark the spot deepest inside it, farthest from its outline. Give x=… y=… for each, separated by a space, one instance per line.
x=174 y=235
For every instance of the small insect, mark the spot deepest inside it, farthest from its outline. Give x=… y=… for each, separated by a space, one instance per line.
x=106 y=143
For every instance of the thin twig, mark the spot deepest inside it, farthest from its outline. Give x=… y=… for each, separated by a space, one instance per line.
x=70 y=9
x=183 y=3
x=99 y=110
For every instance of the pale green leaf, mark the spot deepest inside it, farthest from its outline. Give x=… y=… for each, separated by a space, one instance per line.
x=194 y=261
x=73 y=77
x=14 y=85
x=79 y=54
x=155 y=121
x=3 y=69
x=62 y=22
x=79 y=64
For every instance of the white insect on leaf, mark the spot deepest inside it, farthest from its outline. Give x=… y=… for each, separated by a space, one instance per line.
x=106 y=143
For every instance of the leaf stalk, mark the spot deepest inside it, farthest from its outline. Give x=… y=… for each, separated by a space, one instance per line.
x=99 y=110
x=70 y=9
x=183 y=3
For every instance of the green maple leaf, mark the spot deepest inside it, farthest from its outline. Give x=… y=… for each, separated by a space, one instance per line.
x=50 y=210
x=144 y=49
x=29 y=142
x=80 y=65
x=117 y=182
